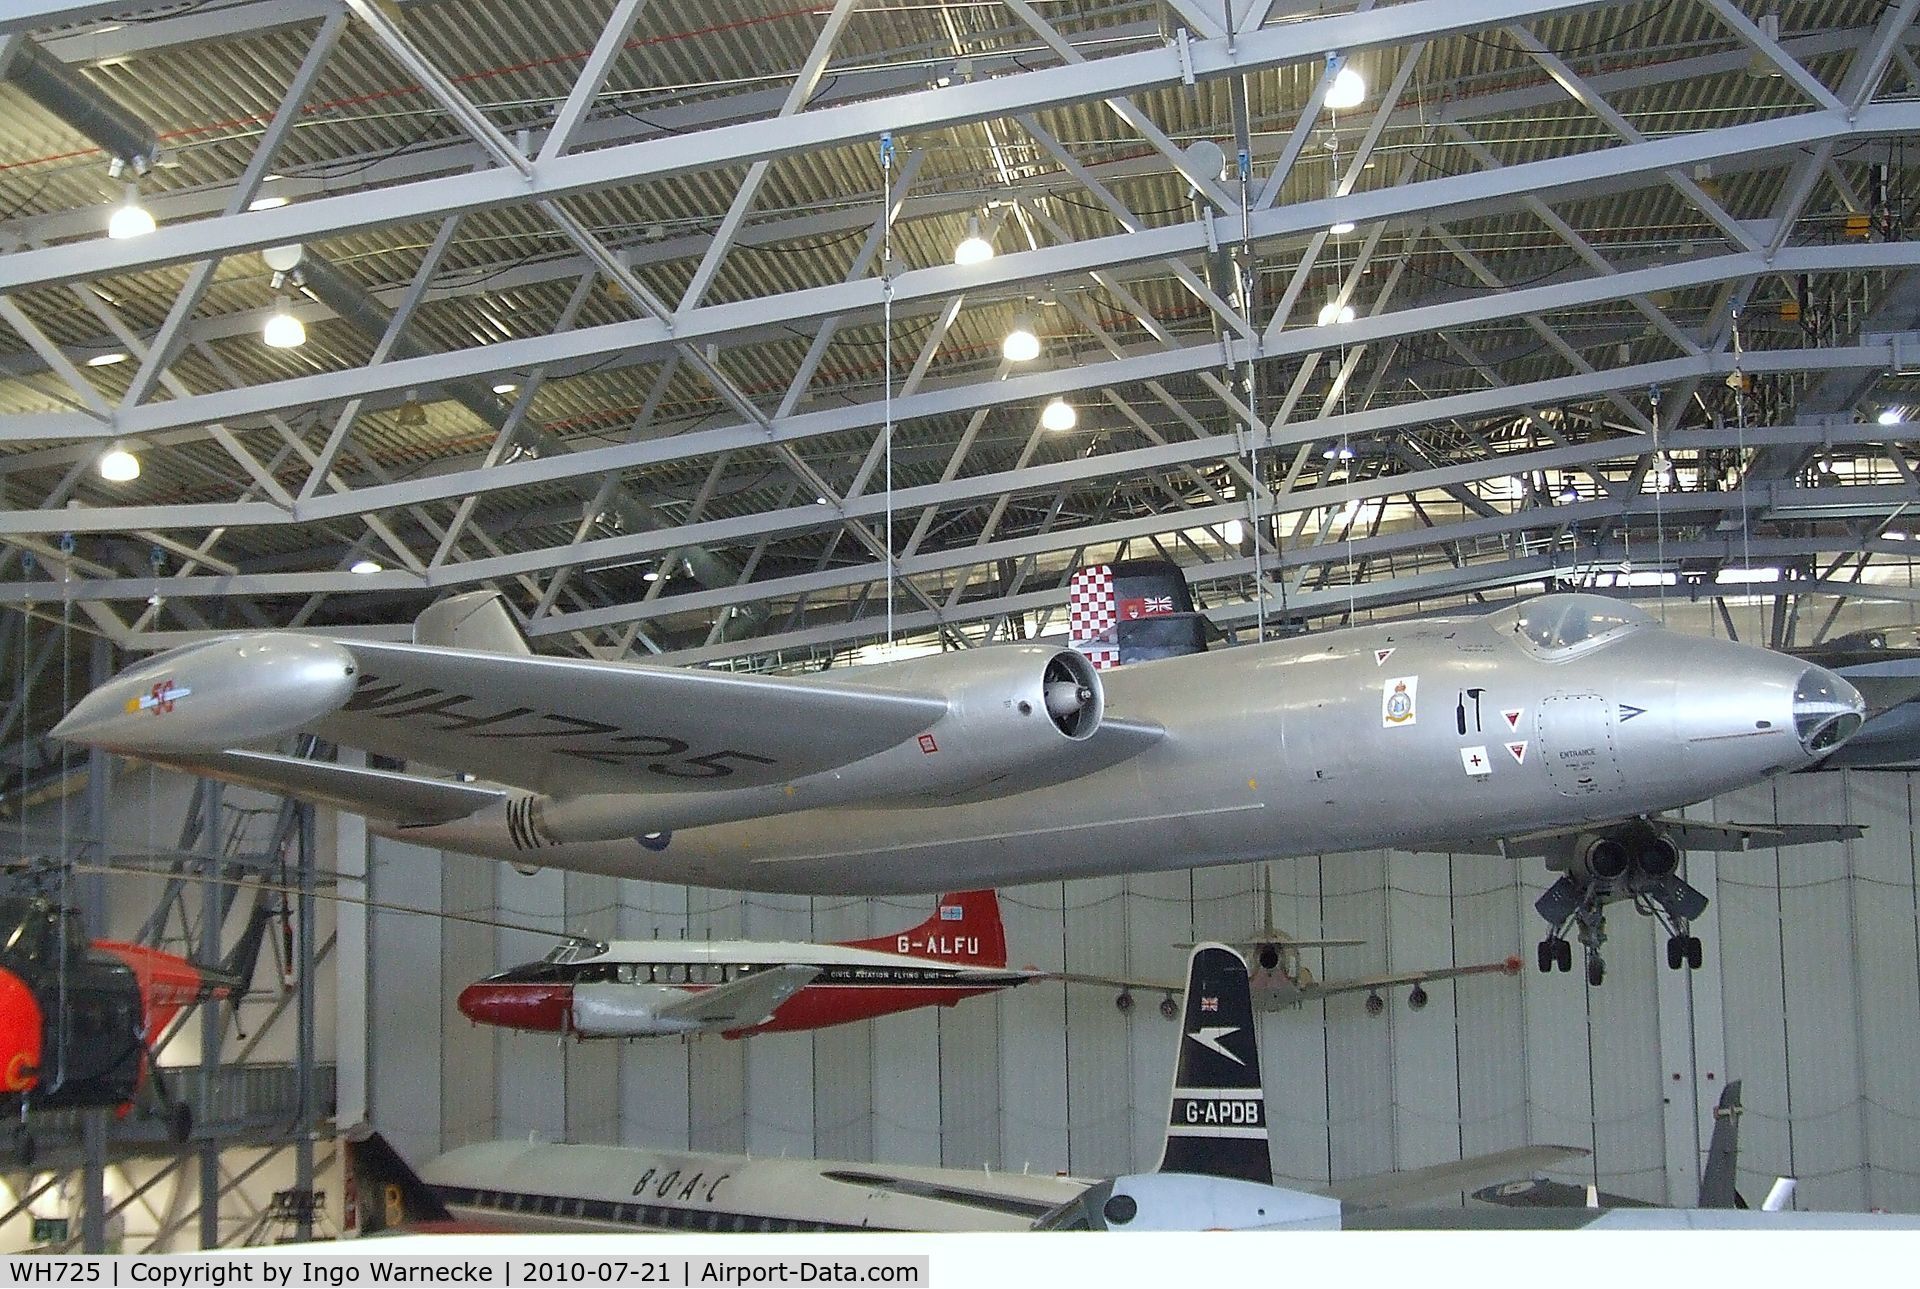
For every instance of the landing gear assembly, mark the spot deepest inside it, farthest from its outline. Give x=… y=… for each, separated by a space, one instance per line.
x=1636 y=862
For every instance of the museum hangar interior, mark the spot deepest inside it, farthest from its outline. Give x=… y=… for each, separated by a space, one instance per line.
x=775 y=340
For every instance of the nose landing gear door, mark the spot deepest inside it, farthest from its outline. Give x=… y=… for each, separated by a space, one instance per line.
x=1576 y=739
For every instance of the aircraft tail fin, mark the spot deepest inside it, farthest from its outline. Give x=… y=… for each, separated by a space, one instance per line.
x=1217 y=1123
x=477 y=620
x=1132 y=611
x=1723 y=1153
x=383 y=1192
x=965 y=928
x=235 y=971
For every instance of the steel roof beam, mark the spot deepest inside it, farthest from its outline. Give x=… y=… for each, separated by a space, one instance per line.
x=768 y=139
x=1436 y=195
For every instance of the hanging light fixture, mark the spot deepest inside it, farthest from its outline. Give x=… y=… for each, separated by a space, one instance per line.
x=283 y=330
x=1021 y=345
x=1059 y=415
x=1333 y=313
x=1342 y=228
x=1349 y=89
x=119 y=356
x=365 y=566
x=117 y=465
x=130 y=218
x=973 y=248
x=1235 y=532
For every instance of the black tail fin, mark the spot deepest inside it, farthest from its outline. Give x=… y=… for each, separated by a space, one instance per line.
x=1218 y=1121
x=237 y=967
x=1723 y=1153
x=383 y=1193
x=1131 y=611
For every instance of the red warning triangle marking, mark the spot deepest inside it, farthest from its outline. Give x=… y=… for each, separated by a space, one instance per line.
x=1513 y=715
x=1518 y=751
x=1381 y=655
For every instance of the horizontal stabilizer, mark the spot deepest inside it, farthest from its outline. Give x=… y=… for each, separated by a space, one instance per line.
x=379 y=794
x=1414 y=1186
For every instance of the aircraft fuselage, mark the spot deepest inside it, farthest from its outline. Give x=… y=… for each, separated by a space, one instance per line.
x=1421 y=732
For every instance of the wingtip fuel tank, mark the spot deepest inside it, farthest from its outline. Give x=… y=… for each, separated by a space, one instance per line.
x=194 y=699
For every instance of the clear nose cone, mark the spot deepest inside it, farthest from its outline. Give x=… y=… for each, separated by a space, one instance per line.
x=1826 y=710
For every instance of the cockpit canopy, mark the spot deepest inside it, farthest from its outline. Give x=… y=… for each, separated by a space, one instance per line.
x=576 y=951
x=1559 y=626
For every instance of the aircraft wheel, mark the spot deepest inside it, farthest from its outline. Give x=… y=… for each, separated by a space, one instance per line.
x=1596 y=970
x=1676 y=951
x=1545 y=956
x=179 y=1122
x=1375 y=1004
x=1169 y=1008
x=1695 y=953
x=1417 y=999
x=1124 y=1001
x=1563 y=955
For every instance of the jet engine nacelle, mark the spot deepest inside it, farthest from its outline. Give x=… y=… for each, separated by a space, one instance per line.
x=1009 y=710
x=1634 y=852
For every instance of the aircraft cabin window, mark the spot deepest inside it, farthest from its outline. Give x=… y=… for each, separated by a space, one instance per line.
x=624 y=973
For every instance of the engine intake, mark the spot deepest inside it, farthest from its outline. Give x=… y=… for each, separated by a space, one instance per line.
x=1635 y=852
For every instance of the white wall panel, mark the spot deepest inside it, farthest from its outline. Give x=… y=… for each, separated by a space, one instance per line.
x=1033 y=1037
x=1293 y=1043
x=1159 y=922
x=1489 y=1010
x=1424 y=1064
x=1823 y=1030
x=1554 y=1046
x=1885 y=944
x=1753 y=998
x=468 y=1071
x=404 y=1025
x=1099 y=1085
x=1359 y=1057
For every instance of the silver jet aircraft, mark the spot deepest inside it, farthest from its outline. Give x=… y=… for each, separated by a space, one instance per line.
x=1563 y=727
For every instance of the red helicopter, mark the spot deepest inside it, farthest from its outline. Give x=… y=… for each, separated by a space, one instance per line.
x=79 y=1017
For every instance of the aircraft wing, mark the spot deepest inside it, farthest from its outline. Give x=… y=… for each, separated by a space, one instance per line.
x=379 y=794
x=559 y=725
x=1368 y=984
x=1397 y=1190
x=571 y=725
x=1690 y=834
x=744 y=1002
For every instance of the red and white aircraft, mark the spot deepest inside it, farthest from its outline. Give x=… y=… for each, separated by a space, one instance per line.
x=654 y=988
